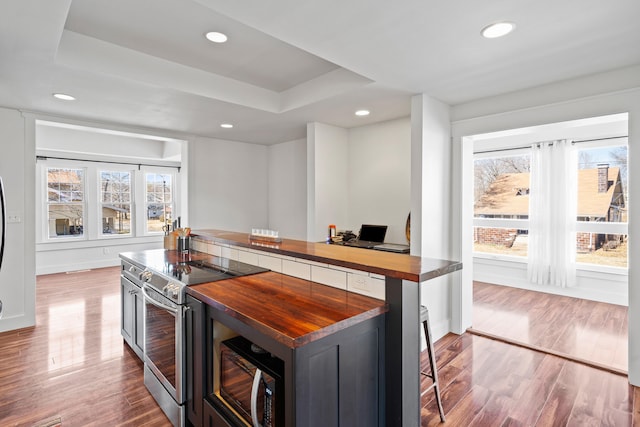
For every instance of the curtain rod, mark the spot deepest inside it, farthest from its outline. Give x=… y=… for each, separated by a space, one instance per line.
x=529 y=146
x=107 y=161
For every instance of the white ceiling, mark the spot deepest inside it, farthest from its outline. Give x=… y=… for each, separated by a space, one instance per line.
x=289 y=62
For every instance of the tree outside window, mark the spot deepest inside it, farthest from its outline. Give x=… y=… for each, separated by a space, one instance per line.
x=115 y=190
x=159 y=196
x=65 y=202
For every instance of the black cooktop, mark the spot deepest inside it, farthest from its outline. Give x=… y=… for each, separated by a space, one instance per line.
x=211 y=270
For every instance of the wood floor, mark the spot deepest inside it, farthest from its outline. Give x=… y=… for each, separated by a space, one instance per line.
x=588 y=331
x=73 y=368
x=488 y=382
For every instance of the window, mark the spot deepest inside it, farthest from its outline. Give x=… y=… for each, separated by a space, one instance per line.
x=159 y=201
x=501 y=205
x=602 y=205
x=65 y=202
x=89 y=200
x=115 y=191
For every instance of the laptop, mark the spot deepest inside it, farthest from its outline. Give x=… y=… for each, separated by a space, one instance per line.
x=369 y=237
x=393 y=247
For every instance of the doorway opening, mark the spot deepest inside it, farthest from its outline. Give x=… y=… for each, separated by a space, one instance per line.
x=584 y=319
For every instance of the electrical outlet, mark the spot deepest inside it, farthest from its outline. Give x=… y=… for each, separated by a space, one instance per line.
x=105 y=251
x=360 y=282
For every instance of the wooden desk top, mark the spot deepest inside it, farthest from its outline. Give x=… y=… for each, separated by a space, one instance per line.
x=401 y=266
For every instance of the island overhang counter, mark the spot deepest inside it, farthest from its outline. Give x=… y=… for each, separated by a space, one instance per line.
x=403 y=276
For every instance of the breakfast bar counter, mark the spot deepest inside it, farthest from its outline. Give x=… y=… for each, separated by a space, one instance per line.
x=403 y=276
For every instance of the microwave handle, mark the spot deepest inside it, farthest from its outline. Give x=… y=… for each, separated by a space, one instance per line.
x=254 y=398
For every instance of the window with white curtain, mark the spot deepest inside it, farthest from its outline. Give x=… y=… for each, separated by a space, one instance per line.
x=502 y=192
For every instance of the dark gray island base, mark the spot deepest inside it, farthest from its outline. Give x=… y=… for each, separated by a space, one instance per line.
x=403 y=275
x=330 y=344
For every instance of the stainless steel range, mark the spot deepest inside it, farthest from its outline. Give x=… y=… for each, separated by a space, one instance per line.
x=163 y=288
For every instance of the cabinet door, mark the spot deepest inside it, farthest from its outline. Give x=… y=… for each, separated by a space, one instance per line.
x=194 y=360
x=126 y=312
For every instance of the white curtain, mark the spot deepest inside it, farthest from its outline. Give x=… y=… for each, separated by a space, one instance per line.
x=552 y=214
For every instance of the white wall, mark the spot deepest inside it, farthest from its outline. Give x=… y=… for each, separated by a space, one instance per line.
x=288 y=189
x=73 y=140
x=431 y=203
x=70 y=139
x=228 y=185
x=327 y=177
x=580 y=98
x=17 y=275
x=379 y=177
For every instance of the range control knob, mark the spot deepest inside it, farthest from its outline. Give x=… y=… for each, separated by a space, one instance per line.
x=172 y=290
x=145 y=276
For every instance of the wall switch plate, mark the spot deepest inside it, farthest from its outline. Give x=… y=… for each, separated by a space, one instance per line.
x=13 y=218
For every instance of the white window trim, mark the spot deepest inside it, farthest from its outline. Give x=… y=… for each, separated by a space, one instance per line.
x=175 y=201
x=92 y=218
x=108 y=167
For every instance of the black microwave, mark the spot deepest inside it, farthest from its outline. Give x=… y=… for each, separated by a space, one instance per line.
x=251 y=383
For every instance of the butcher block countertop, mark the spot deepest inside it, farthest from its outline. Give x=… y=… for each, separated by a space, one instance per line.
x=292 y=311
x=400 y=266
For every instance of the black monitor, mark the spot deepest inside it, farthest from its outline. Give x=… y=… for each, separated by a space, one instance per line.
x=372 y=233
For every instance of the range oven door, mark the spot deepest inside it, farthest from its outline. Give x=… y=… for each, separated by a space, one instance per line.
x=163 y=342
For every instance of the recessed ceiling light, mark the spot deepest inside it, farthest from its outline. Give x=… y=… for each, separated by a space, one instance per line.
x=64 y=96
x=498 y=29
x=362 y=113
x=226 y=125
x=216 y=37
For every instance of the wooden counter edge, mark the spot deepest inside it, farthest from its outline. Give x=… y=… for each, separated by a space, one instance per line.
x=414 y=275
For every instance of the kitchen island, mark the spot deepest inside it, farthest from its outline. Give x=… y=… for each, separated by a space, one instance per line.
x=324 y=346
x=402 y=275
x=327 y=342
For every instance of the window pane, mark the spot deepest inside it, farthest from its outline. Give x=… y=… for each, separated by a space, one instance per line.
x=159 y=198
x=501 y=187
x=115 y=188
x=116 y=219
x=504 y=241
x=157 y=216
x=65 y=220
x=65 y=194
x=602 y=249
x=602 y=184
x=602 y=197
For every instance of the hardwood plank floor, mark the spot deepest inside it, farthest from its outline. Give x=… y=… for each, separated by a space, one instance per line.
x=73 y=367
x=486 y=382
x=587 y=331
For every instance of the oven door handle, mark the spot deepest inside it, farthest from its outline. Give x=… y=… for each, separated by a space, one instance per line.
x=254 y=398
x=148 y=298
